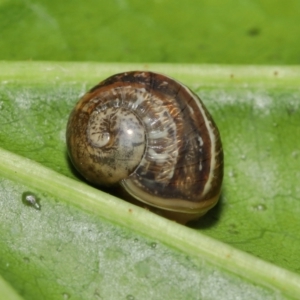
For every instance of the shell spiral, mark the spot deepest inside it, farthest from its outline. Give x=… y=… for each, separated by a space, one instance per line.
x=153 y=137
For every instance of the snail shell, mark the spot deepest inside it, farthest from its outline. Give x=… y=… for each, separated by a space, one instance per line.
x=151 y=136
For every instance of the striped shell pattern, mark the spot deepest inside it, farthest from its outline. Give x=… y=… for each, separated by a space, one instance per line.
x=152 y=137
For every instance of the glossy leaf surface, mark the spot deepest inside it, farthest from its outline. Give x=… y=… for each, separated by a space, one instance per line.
x=82 y=243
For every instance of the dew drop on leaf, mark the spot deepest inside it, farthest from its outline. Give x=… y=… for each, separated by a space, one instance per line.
x=66 y=296
x=260 y=207
x=153 y=245
x=30 y=199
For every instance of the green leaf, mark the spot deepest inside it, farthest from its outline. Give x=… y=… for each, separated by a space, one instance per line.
x=7 y=292
x=207 y=31
x=81 y=243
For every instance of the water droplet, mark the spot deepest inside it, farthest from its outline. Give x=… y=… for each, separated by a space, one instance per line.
x=130 y=297
x=30 y=199
x=66 y=296
x=153 y=245
x=260 y=207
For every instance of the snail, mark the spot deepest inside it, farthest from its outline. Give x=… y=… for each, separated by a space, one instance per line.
x=153 y=138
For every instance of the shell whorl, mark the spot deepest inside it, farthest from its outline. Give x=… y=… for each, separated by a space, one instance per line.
x=151 y=135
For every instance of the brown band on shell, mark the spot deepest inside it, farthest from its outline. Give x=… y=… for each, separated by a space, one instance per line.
x=199 y=150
